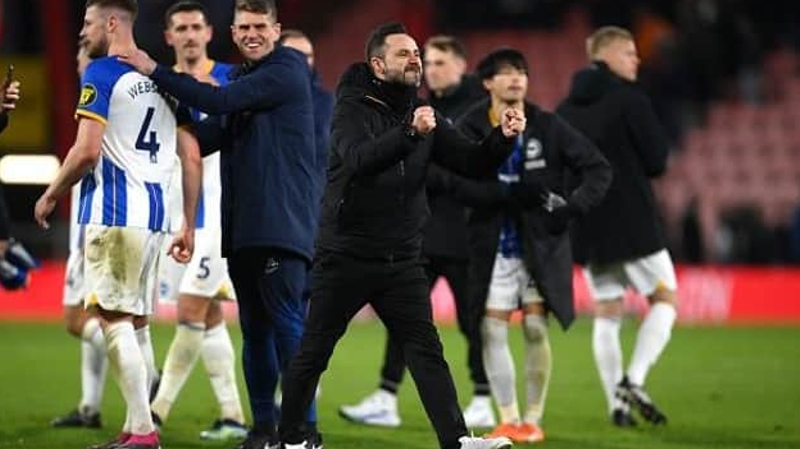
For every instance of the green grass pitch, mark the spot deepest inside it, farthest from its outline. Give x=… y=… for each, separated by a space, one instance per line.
x=733 y=388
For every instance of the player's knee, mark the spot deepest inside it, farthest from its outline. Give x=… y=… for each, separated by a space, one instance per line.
x=192 y=309
x=608 y=309
x=494 y=330
x=663 y=295
x=74 y=326
x=73 y=321
x=140 y=322
x=214 y=316
x=535 y=328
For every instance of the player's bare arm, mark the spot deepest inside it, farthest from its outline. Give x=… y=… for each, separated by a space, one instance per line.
x=83 y=155
x=182 y=245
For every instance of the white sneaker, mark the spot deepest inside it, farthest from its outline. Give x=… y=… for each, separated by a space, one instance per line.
x=303 y=445
x=479 y=413
x=377 y=409
x=485 y=443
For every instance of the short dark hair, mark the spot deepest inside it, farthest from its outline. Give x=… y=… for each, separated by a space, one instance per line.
x=447 y=44
x=376 y=42
x=184 y=6
x=496 y=60
x=292 y=33
x=129 y=6
x=257 y=7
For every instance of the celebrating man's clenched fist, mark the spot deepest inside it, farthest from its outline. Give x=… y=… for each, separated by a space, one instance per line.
x=424 y=120
x=513 y=122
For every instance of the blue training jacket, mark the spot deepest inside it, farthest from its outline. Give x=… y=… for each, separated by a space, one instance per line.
x=263 y=123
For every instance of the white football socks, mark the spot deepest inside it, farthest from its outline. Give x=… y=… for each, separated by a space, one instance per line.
x=146 y=346
x=219 y=360
x=653 y=336
x=94 y=365
x=128 y=365
x=608 y=357
x=499 y=367
x=182 y=355
x=538 y=364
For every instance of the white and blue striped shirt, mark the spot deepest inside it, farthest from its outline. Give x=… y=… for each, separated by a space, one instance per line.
x=130 y=183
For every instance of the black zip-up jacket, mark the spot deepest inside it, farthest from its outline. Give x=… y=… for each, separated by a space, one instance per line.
x=446 y=231
x=619 y=119
x=557 y=159
x=375 y=204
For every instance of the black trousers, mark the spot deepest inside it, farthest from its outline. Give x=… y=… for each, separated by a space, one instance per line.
x=468 y=316
x=398 y=292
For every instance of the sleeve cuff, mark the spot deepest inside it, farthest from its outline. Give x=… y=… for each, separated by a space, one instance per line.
x=158 y=72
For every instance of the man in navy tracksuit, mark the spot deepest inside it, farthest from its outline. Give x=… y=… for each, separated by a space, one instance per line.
x=260 y=123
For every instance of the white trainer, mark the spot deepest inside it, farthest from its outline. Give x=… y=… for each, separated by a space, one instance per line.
x=485 y=443
x=303 y=445
x=377 y=409
x=479 y=413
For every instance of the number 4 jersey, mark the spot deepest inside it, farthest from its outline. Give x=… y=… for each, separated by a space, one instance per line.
x=130 y=183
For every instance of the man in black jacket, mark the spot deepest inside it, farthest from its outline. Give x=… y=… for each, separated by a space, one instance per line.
x=12 y=275
x=8 y=102
x=622 y=242
x=452 y=91
x=521 y=255
x=370 y=236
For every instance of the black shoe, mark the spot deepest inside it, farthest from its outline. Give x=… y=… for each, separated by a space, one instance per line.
x=154 y=386
x=315 y=440
x=312 y=441
x=156 y=420
x=637 y=398
x=77 y=419
x=257 y=440
x=621 y=418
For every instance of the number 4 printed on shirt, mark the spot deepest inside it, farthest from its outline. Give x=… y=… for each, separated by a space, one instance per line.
x=148 y=140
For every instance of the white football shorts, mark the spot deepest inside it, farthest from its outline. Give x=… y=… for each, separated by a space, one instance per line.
x=646 y=275
x=120 y=267
x=206 y=275
x=73 y=280
x=511 y=287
